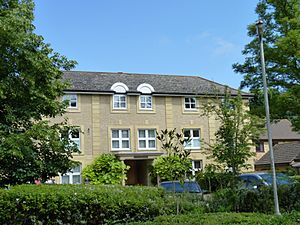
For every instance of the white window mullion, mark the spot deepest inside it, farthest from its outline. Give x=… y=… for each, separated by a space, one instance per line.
x=120 y=139
x=149 y=142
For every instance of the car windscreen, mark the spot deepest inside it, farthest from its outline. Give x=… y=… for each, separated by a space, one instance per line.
x=280 y=178
x=191 y=187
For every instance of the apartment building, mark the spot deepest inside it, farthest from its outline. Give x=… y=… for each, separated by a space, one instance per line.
x=120 y=113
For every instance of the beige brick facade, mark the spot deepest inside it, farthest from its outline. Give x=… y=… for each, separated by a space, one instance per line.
x=120 y=112
x=96 y=117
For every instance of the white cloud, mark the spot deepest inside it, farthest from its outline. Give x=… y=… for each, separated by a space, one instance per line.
x=197 y=38
x=164 y=40
x=218 y=45
x=223 y=46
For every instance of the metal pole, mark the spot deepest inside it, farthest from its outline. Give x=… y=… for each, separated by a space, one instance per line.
x=262 y=57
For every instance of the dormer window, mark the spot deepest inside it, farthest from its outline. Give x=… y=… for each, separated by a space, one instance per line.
x=120 y=98
x=145 y=100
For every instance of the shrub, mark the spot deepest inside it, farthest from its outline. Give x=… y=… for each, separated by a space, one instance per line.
x=79 y=204
x=225 y=218
x=171 y=167
x=213 y=178
x=106 y=169
x=240 y=200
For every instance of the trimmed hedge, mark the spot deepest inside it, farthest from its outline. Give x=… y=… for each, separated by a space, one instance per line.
x=229 y=200
x=79 y=204
x=225 y=218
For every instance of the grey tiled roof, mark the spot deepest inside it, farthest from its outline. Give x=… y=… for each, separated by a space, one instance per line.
x=283 y=153
x=162 y=84
x=282 y=130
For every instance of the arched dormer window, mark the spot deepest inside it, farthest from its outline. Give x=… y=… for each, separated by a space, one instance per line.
x=145 y=98
x=120 y=98
x=119 y=87
x=145 y=88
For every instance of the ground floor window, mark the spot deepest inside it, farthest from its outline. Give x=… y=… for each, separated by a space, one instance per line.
x=72 y=177
x=196 y=166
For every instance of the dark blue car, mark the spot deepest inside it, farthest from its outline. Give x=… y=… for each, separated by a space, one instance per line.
x=177 y=187
x=262 y=179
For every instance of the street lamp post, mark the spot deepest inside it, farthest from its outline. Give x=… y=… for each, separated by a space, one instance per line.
x=259 y=28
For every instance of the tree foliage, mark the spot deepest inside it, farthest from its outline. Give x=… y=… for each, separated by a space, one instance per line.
x=238 y=128
x=175 y=165
x=30 y=84
x=106 y=169
x=282 y=55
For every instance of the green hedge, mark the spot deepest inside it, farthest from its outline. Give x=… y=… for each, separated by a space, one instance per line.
x=225 y=218
x=79 y=204
x=229 y=200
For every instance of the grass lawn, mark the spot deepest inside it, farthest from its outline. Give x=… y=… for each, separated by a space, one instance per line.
x=226 y=218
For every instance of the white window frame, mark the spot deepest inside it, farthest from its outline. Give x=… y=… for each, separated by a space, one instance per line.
x=145 y=102
x=190 y=103
x=71 y=98
x=119 y=102
x=194 y=169
x=147 y=139
x=71 y=174
x=120 y=139
x=75 y=140
x=191 y=145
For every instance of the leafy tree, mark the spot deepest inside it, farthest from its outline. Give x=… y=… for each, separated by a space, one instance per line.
x=175 y=165
x=238 y=129
x=30 y=86
x=282 y=56
x=106 y=169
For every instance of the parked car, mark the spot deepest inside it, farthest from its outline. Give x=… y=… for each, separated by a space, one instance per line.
x=177 y=187
x=263 y=179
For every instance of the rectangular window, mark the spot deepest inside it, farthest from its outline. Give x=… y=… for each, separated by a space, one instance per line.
x=190 y=103
x=119 y=101
x=74 y=136
x=147 y=139
x=259 y=146
x=72 y=100
x=120 y=139
x=72 y=177
x=146 y=102
x=196 y=166
x=194 y=138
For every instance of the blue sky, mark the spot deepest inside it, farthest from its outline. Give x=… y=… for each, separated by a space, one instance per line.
x=190 y=37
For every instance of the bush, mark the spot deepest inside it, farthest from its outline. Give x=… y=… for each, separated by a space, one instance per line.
x=171 y=167
x=213 y=178
x=106 y=169
x=225 y=218
x=240 y=200
x=80 y=204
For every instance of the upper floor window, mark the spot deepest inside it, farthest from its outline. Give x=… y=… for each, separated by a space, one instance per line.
x=259 y=146
x=73 y=135
x=120 y=139
x=147 y=139
x=146 y=102
x=194 y=138
x=119 y=101
x=72 y=177
x=72 y=100
x=190 y=103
